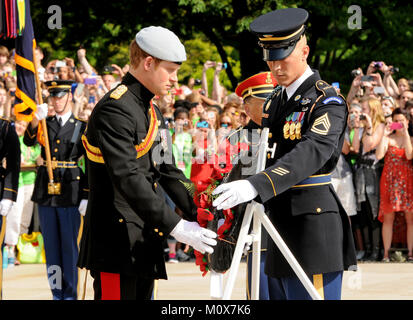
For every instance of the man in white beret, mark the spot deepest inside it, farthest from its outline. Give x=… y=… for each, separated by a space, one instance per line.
x=127 y=219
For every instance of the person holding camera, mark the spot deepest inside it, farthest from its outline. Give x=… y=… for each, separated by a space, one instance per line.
x=367 y=175
x=396 y=183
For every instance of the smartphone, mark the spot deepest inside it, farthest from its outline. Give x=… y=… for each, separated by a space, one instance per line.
x=90 y=81
x=367 y=78
x=60 y=64
x=378 y=90
x=224 y=65
x=79 y=88
x=336 y=85
x=396 y=125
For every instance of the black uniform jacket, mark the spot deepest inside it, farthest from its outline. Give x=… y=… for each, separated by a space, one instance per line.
x=127 y=218
x=9 y=150
x=307 y=214
x=65 y=148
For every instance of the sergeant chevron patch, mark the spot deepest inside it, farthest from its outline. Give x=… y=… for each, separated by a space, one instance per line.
x=321 y=125
x=280 y=171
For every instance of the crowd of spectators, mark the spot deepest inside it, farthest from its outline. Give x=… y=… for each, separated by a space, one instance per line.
x=373 y=178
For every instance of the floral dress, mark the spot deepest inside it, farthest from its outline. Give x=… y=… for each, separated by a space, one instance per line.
x=396 y=183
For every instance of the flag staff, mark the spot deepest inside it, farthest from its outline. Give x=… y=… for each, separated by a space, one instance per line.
x=53 y=188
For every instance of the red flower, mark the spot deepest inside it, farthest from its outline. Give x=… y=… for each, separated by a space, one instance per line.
x=201 y=261
x=203 y=216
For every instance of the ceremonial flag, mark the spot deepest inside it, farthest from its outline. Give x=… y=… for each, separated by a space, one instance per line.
x=25 y=104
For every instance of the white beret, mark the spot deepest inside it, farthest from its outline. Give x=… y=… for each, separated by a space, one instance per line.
x=161 y=43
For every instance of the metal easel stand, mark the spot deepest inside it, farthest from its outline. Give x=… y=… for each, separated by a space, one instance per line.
x=255 y=213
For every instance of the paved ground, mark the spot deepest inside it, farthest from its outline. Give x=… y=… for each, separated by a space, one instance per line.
x=373 y=281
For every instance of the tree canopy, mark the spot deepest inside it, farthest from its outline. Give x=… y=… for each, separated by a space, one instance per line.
x=219 y=30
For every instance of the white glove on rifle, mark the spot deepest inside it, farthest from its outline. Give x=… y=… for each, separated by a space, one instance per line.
x=83 y=207
x=5 y=206
x=233 y=193
x=191 y=233
x=41 y=112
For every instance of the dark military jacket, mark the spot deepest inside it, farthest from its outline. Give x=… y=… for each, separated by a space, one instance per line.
x=10 y=151
x=127 y=219
x=308 y=131
x=65 y=148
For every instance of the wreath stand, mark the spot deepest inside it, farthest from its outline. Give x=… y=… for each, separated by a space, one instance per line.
x=255 y=213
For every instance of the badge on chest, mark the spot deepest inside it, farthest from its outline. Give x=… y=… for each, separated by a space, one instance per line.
x=292 y=126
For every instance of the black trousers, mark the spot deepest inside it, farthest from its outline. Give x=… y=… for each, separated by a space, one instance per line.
x=115 y=286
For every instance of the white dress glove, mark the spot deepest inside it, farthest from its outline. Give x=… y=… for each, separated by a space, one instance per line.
x=191 y=233
x=5 y=206
x=233 y=193
x=41 y=112
x=83 y=207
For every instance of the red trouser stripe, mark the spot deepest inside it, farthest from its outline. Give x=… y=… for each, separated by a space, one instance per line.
x=110 y=285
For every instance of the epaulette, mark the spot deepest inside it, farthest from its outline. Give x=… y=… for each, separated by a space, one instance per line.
x=119 y=92
x=81 y=120
x=328 y=95
x=5 y=119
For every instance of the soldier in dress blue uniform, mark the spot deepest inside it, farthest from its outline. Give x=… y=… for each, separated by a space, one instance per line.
x=9 y=176
x=60 y=206
x=307 y=120
x=129 y=153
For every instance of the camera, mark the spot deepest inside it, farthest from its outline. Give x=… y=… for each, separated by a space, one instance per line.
x=394 y=69
x=362 y=117
x=108 y=69
x=378 y=65
x=197 y=82
x=355 y=73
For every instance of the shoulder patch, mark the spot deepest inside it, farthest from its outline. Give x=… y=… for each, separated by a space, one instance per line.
x=333 y=99
x=119 y=92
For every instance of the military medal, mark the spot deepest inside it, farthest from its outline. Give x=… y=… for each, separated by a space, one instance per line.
x=298 y=130
x=286 y=130
x=292 y=129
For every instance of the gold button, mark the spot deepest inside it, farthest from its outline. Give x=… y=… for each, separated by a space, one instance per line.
x=269 y=156
x=161 y=234
x=120 y=220
x=54 y=158
x=57 y=141
x=318 y=210
x=155 y=185
x=55 y=150
x=156 y=230
x=269 y=135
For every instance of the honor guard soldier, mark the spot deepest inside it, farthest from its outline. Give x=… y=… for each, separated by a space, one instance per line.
x=60 y=207
x=254 y=91
x=129 y=154
x=9 y=177
x=307 y=120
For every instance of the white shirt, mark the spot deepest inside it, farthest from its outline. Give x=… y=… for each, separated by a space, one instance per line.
x=292 y=88
x=64 y=117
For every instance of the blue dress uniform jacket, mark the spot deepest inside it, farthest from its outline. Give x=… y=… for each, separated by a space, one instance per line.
x=9 y=150
x=65 y=148
x=127 y=219
x=295 y=187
